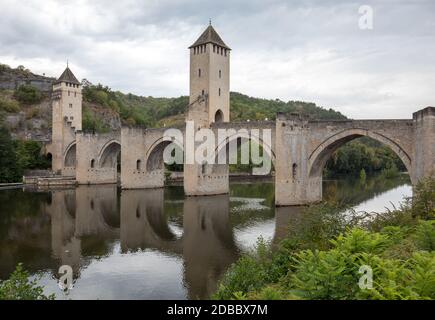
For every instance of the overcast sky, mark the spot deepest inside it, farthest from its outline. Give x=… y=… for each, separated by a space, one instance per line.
x=292 y=50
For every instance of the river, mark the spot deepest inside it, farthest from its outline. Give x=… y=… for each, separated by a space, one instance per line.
x=154 y=244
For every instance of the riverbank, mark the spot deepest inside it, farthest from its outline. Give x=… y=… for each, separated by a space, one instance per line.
x=327 y=255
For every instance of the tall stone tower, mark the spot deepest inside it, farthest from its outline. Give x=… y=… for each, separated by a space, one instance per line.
x=209 y=79
x=66 y=119
x=209 y=103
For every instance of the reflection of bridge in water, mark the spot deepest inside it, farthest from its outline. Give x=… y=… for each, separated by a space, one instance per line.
x=90 y=213
x=82 y=226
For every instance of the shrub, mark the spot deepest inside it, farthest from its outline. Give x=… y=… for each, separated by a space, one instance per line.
x=10 y=171
x=425 y=235
x=244 y=276
x=423 y=204
x=333 y=274
x=28 y=94
x=19 y=287
x=323 y=253
x=9 y=105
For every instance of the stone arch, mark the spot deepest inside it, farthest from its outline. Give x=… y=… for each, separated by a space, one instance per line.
x=219 y=116
x=108 y=157
x=318 y=158
x=245 y=136
x=70 y=155
x=154 y=158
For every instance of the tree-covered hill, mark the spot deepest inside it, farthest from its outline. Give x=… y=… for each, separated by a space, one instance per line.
x=158 y=112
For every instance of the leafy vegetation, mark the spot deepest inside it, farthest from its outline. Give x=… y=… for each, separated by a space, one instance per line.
x=364 y=154
x=20 y=287
x=9 y=169
x=322 y=255
x=28 y=94
x=159 y=112
x=17 y=156
x=9 y=105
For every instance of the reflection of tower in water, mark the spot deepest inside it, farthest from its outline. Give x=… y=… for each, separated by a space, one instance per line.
x=77 y=213
x=208 y=243
x=83 y=219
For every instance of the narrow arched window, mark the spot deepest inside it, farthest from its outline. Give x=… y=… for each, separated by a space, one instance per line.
x=202 y=92
x=294 y=170
x=219 y=91
x=92 y=163
x=203 y=168
x=138 y=165
x=199 y=73
x=220 y=74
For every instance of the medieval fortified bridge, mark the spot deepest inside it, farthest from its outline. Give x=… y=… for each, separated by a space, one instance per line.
x=299 y=147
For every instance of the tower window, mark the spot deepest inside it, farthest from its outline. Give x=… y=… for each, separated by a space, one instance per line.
x=202 y=92
x=294 y=170
x=220 y=74
x=219 y=91
x=214 y=48
x=138 y=165
x=70 y=105
x=92 y=163
x=199 y=73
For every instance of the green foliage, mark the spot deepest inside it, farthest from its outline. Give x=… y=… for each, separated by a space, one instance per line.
x=425 y=235
x=94 y=122
x=319 y=224
x=244 y=107
x=8 y=105
x=424 y=199
x=28 y=94
x=10 y=171
x=362 y=176
x=29 y=155
x=19 y=287
x=248 y=274
x=17 y=156
x=157 y=112
x=398 y=247
x=364 y=154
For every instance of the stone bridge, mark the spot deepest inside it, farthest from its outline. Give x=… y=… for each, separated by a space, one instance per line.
x=298 y=148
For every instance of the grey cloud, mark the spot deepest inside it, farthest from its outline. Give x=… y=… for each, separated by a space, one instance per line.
x=310 y=50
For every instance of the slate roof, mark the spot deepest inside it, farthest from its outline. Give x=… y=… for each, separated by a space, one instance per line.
x=68 y=76
x=210 y=36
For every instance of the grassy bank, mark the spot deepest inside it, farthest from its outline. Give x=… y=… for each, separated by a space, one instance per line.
x=322 y=255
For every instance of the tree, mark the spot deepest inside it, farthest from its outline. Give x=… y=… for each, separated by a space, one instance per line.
x=28 y=94
x=10 y=170
x=19 y=287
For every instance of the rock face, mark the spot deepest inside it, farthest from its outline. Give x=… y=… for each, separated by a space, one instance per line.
x=10 y=79
x=31 y=123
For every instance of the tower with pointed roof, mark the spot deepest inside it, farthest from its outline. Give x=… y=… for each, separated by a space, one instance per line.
x=66 y=119
x=209 y=79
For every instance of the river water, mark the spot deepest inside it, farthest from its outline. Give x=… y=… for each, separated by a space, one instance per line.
x=154 y=244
